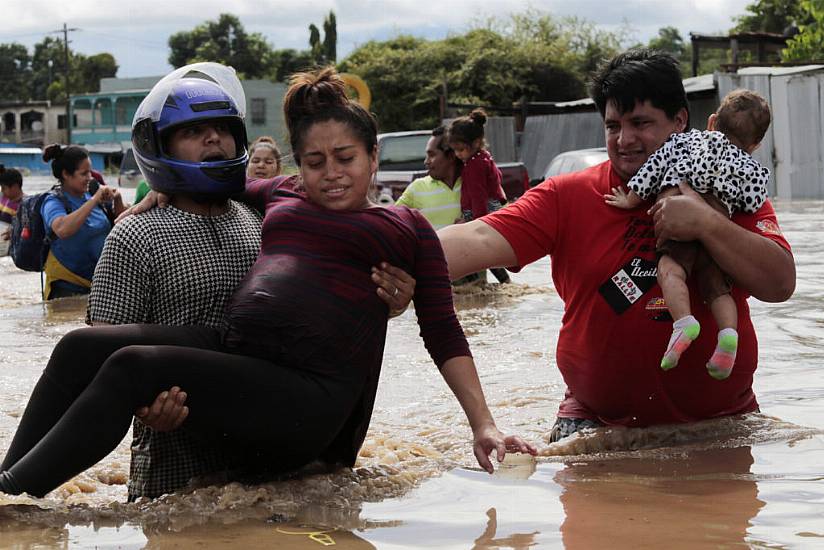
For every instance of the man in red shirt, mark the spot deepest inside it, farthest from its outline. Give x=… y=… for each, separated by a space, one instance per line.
x=616 y=326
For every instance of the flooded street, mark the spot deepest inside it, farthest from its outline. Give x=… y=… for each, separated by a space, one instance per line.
x=752 y=481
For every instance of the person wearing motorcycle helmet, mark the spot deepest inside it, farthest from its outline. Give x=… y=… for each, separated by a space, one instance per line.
x=162 y=266
x=178 y=265
x=188 y=135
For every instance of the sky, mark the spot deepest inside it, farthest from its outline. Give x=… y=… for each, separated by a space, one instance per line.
x=136 y=32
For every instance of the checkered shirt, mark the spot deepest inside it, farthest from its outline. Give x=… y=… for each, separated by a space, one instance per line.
x=171 y=267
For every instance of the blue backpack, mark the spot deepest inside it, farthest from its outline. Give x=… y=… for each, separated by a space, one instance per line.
x=30 y=243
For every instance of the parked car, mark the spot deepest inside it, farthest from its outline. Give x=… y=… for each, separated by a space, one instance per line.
x=572 y=161
x=129 y=175
x=400 y=161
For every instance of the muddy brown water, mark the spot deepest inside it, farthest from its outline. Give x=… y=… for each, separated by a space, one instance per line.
x=752 y=481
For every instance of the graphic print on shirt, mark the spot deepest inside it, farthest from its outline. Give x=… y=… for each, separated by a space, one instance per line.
x=629 y=283
x=639 y=235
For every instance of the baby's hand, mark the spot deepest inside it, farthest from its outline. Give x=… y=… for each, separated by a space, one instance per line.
x=619 y=198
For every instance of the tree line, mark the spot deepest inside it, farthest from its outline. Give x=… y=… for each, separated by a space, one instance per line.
x=40 y=75
x=531 y=55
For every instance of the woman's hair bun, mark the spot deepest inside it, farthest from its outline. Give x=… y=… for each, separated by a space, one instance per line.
x=311 y=93
x=478 y=116
x=53 y=151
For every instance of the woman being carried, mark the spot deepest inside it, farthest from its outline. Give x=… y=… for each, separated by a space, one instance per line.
x=291 y=375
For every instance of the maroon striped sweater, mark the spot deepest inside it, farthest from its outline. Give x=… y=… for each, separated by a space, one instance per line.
x=309 y=300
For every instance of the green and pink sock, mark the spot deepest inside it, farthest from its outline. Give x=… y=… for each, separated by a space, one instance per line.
x=723 y=358
x=684 y=331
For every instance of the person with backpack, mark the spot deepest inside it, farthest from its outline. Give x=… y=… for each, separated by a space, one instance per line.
x=76 y=221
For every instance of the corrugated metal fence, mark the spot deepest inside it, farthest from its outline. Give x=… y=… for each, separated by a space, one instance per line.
x=548 y=135
x=793 y=148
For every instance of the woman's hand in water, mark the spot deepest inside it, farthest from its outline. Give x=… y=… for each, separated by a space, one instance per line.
x=151 y=200
x=489 y=439
x=167 y=412
x=395 y=287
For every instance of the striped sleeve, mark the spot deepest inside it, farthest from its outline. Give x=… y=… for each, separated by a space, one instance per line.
x=441 y=332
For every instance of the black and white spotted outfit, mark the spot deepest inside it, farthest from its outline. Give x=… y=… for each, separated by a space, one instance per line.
x=709 y=163
x=172 y=267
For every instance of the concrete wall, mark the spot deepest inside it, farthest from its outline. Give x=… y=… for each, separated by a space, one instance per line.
x=274 y=125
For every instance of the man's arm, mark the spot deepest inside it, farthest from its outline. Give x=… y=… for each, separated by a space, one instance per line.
x=757 y=264
x=471 y=247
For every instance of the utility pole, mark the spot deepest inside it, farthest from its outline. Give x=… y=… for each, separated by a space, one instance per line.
x=65 y=30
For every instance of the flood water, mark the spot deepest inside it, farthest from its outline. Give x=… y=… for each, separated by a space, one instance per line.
x=752 y=481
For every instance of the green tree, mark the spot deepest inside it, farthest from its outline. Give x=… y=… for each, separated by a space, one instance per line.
x=330 y=38
x=50 y=49
x=324 y=51
x=808 y=44
x=669 y=40
x=315 y=46
x=41 y=75
x=289 y=61
x=497 y=62
x=92 y=69
x=15 y=72
x=224 y=41
x=772 y=16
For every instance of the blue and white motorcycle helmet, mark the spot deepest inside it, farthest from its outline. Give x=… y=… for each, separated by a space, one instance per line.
x=196 y=93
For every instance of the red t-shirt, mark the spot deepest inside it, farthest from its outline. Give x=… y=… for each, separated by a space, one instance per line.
x=480 y=182
x=616 y=326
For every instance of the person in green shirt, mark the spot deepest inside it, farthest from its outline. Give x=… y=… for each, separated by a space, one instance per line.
x=142 y=190
x=438 y=194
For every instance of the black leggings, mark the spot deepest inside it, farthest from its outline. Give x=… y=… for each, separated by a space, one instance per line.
x=82 y=406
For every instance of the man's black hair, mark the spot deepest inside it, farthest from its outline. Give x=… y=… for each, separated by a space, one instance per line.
x=441 y=133
x=636 y=76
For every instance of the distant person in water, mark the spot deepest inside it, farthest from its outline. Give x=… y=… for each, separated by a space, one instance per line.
x=80 y=221
x=11 y=193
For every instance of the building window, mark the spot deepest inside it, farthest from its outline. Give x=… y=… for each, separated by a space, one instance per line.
x=258 y=111
x=61 y=121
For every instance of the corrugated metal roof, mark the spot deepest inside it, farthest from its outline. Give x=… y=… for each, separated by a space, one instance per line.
x=104 y=147
x=702 y=83
x=21 y=151
x=779 y=70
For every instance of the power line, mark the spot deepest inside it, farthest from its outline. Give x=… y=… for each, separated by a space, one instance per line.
x=65 y=32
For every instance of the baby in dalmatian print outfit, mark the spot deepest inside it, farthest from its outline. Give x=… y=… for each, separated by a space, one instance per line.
x=717 y=164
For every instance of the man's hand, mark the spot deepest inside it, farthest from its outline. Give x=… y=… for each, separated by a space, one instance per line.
x=167 y=412
x=395 y=287
x=684 y=217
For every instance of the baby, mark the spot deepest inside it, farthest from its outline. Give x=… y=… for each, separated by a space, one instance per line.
x=717 y=164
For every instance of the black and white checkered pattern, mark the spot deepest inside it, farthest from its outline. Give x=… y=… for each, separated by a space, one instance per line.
x=710 y=164
x=174 y=268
